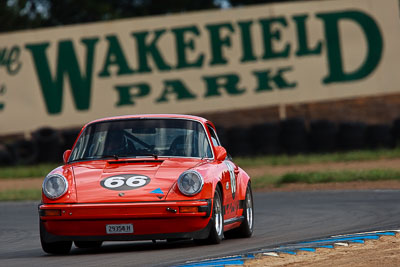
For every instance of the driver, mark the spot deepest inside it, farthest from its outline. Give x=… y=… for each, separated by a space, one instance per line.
x=117 y=144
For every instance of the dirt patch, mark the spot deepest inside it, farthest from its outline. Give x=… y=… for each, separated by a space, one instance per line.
x=16 y=184
x=382 y=252
x=365 y=185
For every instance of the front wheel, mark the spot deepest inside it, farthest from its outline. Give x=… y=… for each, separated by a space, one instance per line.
x=217 y=230
x=61 y=247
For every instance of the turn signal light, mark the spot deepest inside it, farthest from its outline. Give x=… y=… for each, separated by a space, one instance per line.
x=50 y=212
x=188 y=209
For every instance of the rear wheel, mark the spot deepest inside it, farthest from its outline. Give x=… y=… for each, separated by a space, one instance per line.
x=217 y=230
x=246 y=228
x=88 y=244
x=61 y=247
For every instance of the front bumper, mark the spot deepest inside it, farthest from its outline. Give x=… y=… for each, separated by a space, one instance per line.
x=150 y=220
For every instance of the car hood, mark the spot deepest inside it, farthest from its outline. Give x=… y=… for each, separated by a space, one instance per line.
x=128 y=180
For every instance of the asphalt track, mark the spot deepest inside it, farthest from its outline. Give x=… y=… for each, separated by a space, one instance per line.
x=281 y=217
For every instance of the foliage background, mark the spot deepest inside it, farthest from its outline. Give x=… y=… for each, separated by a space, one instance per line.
x=29 y=14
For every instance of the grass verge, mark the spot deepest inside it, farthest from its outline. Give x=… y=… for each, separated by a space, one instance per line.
x=22 y=194
x=40 y=170
x=325 y=177
x=281 y=160
x=260 y=182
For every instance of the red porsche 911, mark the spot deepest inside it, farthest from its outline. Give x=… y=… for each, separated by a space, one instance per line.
x=145 y=177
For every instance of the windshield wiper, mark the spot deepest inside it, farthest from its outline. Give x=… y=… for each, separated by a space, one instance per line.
x=149 y=154
x=115 y=156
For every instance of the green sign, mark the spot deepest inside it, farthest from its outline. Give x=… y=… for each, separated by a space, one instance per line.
x=217 y=60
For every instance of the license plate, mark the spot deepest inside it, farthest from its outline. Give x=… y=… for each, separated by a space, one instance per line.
x=119 y=228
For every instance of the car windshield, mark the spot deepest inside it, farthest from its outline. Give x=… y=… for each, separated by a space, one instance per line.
x=142 y=138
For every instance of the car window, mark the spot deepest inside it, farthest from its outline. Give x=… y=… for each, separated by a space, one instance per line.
x=143 y=137
x=214 y=137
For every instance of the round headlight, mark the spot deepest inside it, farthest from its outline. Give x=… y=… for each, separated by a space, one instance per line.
x=190 y=183
x=54 y=186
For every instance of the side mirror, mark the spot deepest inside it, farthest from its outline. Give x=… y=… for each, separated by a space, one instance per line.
x=220 y=153
x=66 y=155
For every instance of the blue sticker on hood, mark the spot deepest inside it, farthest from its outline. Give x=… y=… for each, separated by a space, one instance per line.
x=157 y=191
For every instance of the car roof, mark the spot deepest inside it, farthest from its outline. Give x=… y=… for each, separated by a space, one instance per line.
x=153 y=116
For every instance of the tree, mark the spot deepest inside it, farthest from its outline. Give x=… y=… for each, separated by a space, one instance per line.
x=27 y=14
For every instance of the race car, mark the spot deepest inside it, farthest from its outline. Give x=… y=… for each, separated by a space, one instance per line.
x=145 y=177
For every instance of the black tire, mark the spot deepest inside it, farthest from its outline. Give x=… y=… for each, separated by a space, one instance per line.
x=379 y=136
x=6 y=158
x=49 y=143
x=245 y=230
x=217 y=230
x=238 y=141
x=24 y=151
x=351 y=135
x=265 y=138
x=294 y=136
x=247 y=226
x=322 y=137
x=62 y=247
x=396 y=131
x=88 y=244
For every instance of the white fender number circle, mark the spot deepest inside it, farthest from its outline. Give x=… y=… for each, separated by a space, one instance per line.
x=232 y=178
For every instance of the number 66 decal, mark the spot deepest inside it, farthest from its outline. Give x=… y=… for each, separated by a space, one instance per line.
x=125 y=182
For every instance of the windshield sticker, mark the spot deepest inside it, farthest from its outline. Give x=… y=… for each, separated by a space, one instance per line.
x=124 y=182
